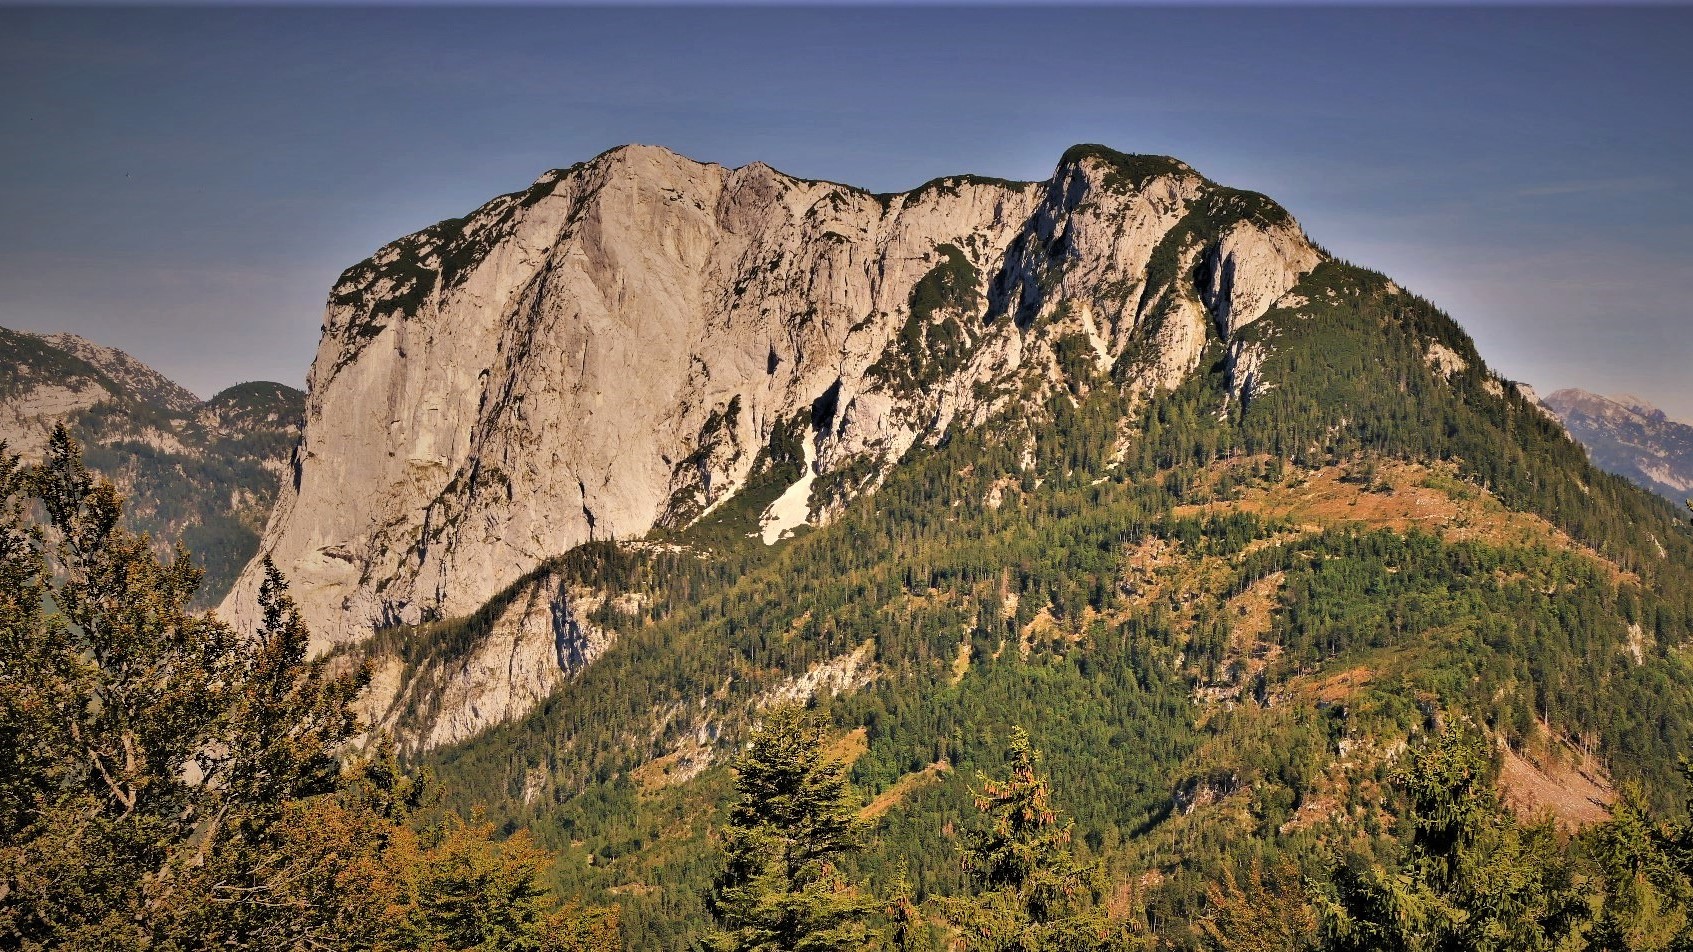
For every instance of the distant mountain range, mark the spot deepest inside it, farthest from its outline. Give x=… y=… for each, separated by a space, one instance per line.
x=202 y=473
x=1630 y=437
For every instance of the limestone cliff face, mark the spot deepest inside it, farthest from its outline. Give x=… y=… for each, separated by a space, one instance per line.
x=539 y=636
x=608 y=351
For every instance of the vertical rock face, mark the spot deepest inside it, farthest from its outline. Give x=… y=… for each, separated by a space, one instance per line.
x=609 y=350
x=537 y=639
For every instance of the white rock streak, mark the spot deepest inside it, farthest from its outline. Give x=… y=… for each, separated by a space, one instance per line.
x=792 y=509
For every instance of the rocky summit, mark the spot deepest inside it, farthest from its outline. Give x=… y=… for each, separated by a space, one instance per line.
x=608 y=351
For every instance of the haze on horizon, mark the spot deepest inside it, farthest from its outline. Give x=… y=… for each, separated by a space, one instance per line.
x=187 y=183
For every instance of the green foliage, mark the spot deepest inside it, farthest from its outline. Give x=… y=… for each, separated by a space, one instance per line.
x=691 y=477
x=781 y=888
x=157 y=746
x=735 y=521
x=1128 y=172
x=171 y=783
x=1473 y=878
x=395 y=283
x=1206 y=221
x=1259 y=910
x=467 y=891
x=1645 y=891
x=997 y=592
x=1645 y=867
x=1031 y=894
x=199 y=474
x=31 y=357
x=937 y=337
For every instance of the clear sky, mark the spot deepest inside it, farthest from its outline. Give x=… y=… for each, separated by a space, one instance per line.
x=186 y=184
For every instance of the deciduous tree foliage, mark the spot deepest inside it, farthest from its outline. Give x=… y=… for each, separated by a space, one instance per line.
x=167 y=782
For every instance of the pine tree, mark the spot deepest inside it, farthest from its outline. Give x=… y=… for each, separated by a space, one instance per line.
x=1032 y=895
x=781 y=888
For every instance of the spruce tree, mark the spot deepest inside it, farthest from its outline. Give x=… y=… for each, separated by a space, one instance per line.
x=1643 y=896
x=781 y=887
x=1473 y=878
x=1263 y=908
x=1032 y=895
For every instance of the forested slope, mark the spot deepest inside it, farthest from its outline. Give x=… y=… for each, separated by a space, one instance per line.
x=1221 y=611
x=202 y=473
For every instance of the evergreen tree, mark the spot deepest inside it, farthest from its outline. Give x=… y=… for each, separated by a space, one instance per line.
x=1474 y=879
x=158 y=740
x=1643 y=896
x=464 y=890
x=1259 y=910
x=781 y=888
x=1032 y=894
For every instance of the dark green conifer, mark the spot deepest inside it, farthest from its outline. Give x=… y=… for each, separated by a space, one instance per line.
x=782 y=888
x=1473 y=879
x=1032 y=895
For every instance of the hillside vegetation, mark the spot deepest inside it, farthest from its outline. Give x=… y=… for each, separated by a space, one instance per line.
x=1221 y=611
x=203 y=474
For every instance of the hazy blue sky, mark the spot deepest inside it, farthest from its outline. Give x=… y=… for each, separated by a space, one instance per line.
x=186 y=184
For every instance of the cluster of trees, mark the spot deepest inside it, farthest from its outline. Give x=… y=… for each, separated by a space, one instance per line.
x=796 y=820
x=1534 y=641
x=1464 y=874
x=1516 y=637
x=204 y=776
x=167 y=782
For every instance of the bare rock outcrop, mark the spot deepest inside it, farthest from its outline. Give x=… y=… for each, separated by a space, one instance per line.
x=1629 y=437
x=609 y=351
x=539 y=637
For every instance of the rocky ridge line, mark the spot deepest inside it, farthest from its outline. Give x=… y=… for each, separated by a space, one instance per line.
x=612 y=349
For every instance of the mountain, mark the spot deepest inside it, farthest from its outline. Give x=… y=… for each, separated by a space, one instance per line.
x=1630 y=437
x=203 y=473
x=637 y=341
x=600 y=471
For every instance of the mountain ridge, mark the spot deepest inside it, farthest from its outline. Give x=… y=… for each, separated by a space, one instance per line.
x=200 y=472
x=594 y=475
x=566 y=254
x=1630 y=437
